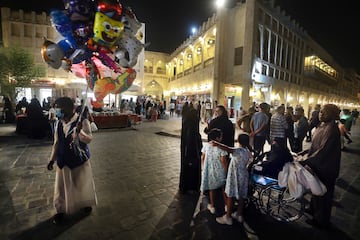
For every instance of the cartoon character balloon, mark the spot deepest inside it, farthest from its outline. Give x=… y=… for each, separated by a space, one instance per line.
x=129 y=46
x=52 y=54
x=106 y=85
x=98 y=37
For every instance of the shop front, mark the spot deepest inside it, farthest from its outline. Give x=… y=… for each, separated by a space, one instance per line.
x=232 y=101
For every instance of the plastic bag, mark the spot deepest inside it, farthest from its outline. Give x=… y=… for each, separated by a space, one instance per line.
x=93 y=127
x=310 y=181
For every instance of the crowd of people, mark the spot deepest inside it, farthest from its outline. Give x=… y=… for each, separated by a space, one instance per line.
x=33 y=118
x=289 y=125
x=224 y=173
x=218 y=169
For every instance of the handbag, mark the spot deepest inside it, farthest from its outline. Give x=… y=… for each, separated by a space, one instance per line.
x=78 y=151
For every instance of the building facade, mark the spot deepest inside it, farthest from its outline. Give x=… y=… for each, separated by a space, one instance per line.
x=254 y=52
x=250 y=53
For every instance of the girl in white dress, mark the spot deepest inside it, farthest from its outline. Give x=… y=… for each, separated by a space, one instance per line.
x=213 y=160
x=237 y=178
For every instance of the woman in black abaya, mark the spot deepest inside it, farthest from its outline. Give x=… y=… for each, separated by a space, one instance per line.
x=191 y=144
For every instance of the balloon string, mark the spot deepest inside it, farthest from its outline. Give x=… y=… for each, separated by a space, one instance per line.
x=83 y=104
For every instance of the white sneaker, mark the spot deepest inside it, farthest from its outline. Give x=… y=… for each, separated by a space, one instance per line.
x=238 y=218
x=224 y=220
x=211 y=208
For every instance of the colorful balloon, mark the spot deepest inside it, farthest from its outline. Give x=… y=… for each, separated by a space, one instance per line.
x=63 y=26
x=100 y=42
x=80 y=10
x=111 y=8
x=52 y=54
x=131 y=24
x=106 y=30
x=107 y=85
x=129 y=47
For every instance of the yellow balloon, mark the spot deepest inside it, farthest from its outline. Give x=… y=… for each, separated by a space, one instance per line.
x=106 y=29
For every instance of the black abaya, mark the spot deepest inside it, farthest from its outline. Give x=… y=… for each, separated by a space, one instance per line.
x=191 y=144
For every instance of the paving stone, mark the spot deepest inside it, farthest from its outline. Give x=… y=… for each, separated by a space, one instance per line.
x=136 y=175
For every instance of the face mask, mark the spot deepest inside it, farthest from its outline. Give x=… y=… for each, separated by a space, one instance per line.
x=59 y=113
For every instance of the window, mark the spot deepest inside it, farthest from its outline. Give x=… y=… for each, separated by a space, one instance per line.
x=267 y=21
x=266 y=45
x=274 y=25
x=15 y=30
x=39 y=32
x=238 y=56
x=264 y=70
x=28 y=31
x=271 y=72
x=272 y=48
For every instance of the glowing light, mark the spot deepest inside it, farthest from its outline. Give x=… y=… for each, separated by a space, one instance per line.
x=193 y=30
x=219 y=3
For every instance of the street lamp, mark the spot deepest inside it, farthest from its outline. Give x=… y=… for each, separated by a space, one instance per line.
x=219 y=3
x=193 y=30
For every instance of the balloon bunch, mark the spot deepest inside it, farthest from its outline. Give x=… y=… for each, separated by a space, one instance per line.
x=98 y=38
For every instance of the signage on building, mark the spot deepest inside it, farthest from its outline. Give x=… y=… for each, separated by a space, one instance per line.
x=43 y=83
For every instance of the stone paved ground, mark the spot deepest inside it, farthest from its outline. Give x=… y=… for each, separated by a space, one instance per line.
x=136 y=174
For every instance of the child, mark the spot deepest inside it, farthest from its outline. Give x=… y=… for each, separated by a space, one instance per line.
x=213 y=160
x=237 y=178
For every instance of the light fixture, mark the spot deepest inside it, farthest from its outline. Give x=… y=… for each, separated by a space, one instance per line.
x=219 y=3
x=193 y=30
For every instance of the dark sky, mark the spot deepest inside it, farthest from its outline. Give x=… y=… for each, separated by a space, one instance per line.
x=331 y=23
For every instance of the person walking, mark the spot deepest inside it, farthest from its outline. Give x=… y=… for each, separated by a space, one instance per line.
x=323 y=158
x=355 y=116
x=9 y=114
x=214 y=169
x=348 y=119
x=172 y=108
x=278 y=126
x=52 y=119
x=258 y=126
x=244 y=121
x=74 y=186
x=237 y=179
x=203 y=113
x=344 y=133
x=313 y=122
x=300 y=129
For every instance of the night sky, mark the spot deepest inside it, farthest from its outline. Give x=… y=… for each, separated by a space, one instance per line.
x=331 y=23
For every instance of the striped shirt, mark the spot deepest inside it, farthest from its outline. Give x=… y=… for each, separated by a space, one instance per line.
x=278 y=125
